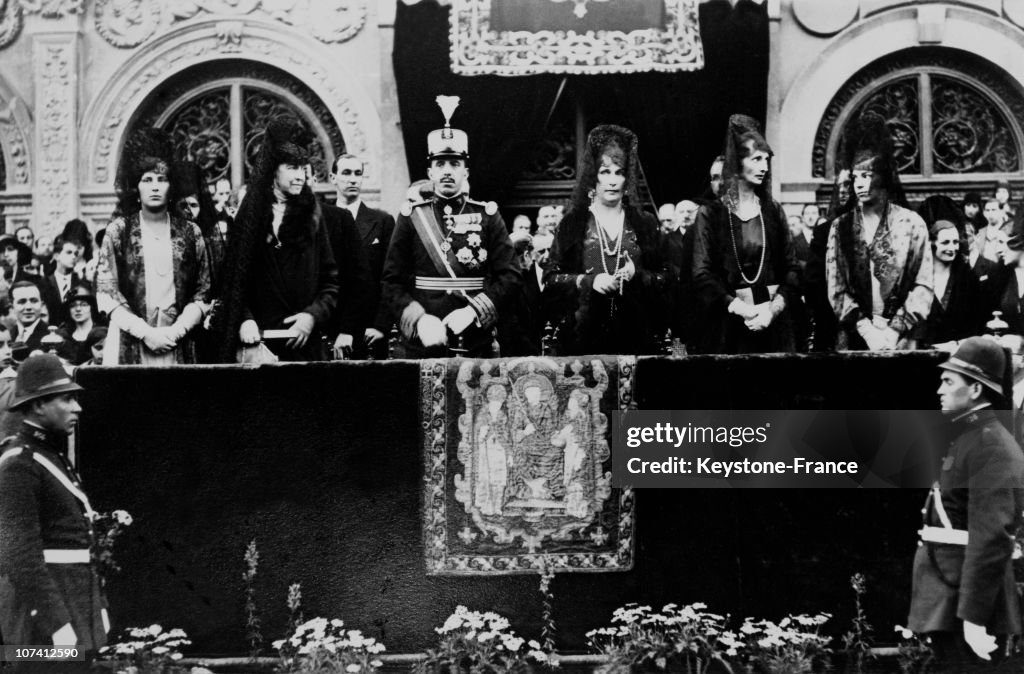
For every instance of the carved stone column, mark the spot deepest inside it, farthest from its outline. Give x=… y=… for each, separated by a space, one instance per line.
x=55 y=39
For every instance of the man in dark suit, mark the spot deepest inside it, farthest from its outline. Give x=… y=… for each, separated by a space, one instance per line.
x=375 y=228
x=964 y=595
x=56 y=287
x=354 y=283
x=26 y=305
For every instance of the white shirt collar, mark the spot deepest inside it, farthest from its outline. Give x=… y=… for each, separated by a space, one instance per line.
x=26 y=331
x=353 y=208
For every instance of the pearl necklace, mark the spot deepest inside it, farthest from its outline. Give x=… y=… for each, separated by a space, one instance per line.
x=736 y=252
x=604 y=239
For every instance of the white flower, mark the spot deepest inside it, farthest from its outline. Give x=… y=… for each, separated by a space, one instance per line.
x=376 y=663
x=277 y=644
x=155 y=629
x=337 y=623
x=122 y=517
x=512 y=643
x=159 y=650
x=904 y=632
x=176 y=656
x=352 y=668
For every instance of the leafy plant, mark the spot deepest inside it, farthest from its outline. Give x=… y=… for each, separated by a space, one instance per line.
x=480 y=643
x=253 y=634
x=793 y=646
x=322 y=646
x=857 y=640
x=683 y=639
x=109 y=527
x=915 y=656
x=145 y=650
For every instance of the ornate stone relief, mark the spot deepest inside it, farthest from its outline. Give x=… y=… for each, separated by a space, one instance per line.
x=129 y=23
x=18 y=170
x=257 y=48
x=52 y=9
x=56 y=130
x=10 y=21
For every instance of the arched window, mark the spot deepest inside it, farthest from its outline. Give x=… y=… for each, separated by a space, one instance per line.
x=217 y=116
x=955 y=119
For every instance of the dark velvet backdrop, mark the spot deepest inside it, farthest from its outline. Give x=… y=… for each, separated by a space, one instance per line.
x=322 y=465
x=680 y=118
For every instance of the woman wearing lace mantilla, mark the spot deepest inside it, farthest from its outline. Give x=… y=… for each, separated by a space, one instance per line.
x=606 y=260
x=744 y=266
x=879 y=261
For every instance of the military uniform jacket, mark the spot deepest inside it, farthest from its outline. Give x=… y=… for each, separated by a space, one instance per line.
x=43 y=508
x=981 y=493
x=478 y=247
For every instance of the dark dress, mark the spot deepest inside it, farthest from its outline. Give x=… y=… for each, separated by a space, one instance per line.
x=292 y=273
x=960 y=312
x=717 y=277
x=617 y=322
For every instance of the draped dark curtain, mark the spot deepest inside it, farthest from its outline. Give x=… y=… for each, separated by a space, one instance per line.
x=680 y=118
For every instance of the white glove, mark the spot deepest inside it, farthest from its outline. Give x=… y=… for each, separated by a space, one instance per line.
x=742 y=309
x=460 y=319
x=65 y=636
x=431 y=331
x=106 y=620
x=980 y=641
x=874 y=337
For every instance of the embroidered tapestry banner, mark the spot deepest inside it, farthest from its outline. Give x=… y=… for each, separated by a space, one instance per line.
x=518 y=465
x=581 y=37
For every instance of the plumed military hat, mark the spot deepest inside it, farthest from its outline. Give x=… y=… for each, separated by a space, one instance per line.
x=40 y=376
x=447 y=142
x=985 y=361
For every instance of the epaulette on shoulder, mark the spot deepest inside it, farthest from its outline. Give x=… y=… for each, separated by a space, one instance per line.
x=490 y=207
x=407 y=207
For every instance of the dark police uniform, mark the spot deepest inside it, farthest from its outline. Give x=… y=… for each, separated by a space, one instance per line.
x=446 y=254
x=962 y=568
x=47 y=579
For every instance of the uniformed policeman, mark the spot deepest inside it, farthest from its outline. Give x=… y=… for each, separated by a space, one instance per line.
x=449 y=270
x=964 y=595
x=49 y=590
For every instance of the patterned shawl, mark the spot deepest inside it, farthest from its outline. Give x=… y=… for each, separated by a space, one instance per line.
x=121 y=276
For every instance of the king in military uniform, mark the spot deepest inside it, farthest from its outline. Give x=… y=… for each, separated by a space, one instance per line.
x=964 y=594
x=49 y=589
x=449 y=269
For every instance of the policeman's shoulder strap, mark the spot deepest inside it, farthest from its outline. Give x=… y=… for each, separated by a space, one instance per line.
x=9 y=450
x=490 y=207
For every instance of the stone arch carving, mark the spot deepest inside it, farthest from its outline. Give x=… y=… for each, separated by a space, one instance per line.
x=15 y=140
x=107 y=117
x=806 y=101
